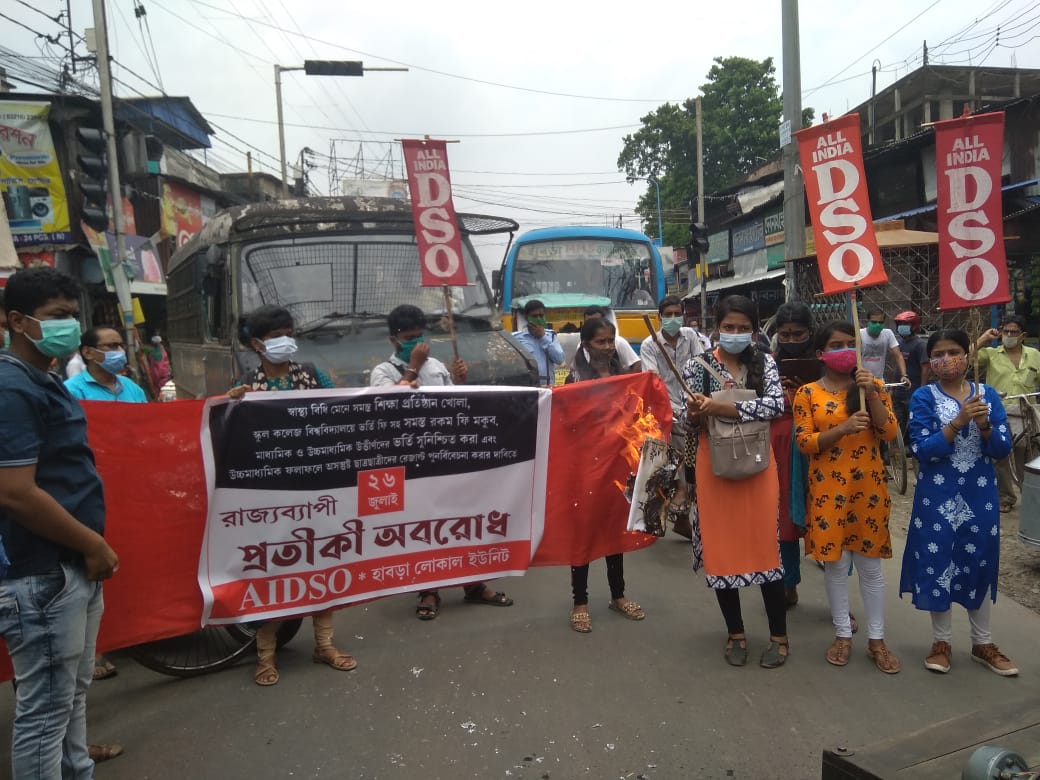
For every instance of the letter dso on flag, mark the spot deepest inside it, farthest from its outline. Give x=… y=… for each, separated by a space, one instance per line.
x=436 y=226
x=836 y=188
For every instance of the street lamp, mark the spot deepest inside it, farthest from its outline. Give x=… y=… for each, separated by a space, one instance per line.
x=311 y=68
x=660 y=223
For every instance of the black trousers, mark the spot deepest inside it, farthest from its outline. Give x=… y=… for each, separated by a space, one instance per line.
x=615 y=578
x=772 y=597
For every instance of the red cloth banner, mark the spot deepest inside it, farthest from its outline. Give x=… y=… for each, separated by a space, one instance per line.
x=155 y=489
x=972 y=263
x=436 y=228
x=836 y=189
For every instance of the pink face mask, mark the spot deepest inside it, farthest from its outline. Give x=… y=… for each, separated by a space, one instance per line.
x=841 y=361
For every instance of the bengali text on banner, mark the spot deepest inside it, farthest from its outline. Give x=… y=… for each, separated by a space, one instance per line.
x=322 y=498
x=972 y=262
x=839 y=206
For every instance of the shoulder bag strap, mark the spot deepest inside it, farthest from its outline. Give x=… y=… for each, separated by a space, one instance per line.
x=719 y=377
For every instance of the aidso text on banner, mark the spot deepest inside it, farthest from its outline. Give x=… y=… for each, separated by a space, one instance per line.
x=321 y=498
x=972 y=262
x=839 y=206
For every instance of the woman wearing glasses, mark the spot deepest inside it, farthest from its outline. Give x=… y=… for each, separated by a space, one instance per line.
x=735 y=533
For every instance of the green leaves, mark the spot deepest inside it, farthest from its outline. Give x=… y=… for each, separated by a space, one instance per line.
x=741 y=116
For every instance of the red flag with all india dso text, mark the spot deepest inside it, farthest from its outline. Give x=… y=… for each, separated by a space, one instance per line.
x=972 y=263
x=836 y=190
x=436 y=228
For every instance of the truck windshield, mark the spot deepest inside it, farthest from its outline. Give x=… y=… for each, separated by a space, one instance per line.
x=618 y=269
x=324 y=279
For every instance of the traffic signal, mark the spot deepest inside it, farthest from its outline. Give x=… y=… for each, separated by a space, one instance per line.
x=92 y=161
x=698 y=235
x=333 y=68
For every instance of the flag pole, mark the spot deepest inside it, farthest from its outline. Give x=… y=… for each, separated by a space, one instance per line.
x=451 y=322
x=859 y=343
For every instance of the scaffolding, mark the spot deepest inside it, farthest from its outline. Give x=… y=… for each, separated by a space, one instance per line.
x=913 y=284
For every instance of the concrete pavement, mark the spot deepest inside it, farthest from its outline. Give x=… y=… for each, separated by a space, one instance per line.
x=489 y=692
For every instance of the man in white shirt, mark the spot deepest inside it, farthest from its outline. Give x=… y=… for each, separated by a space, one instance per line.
x=626 y=355
x=878 y=343
x=681 y=344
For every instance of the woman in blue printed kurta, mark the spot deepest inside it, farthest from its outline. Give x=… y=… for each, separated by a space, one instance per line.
x=957 y=429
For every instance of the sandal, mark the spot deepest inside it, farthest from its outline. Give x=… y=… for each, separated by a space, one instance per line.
x=266 y=674
x=884 y=659
x=852 y=621
x=581 y=622
x=427 y=611
x=103 y=668
x=839 y=651
x=629 y=609
x=736 y=650
x=99 y=753
x=772 y=657
x=330 y=656
x=495 y=600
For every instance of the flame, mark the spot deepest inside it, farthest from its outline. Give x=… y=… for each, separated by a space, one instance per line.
x=636 y=425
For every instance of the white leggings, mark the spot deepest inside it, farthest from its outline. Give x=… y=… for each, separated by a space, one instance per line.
x=871 y=588
x=977 y=618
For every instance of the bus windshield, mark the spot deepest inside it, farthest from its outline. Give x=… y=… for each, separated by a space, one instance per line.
x=322 y=279
x=618 y=269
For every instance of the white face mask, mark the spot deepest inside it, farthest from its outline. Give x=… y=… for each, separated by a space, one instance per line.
x=279 y=349
x=1010 y=342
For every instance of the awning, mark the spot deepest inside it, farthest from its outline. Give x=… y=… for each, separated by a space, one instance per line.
x=1018 y=185
x=726 y=283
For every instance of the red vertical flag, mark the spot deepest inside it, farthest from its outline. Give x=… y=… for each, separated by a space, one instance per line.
x=436 y=228
x=836 y=188
x=972 y=263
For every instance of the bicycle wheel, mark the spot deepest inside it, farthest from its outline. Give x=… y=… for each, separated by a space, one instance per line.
x=201 y=652
x=1030 y=429
x=896 y=462
x=287 y=629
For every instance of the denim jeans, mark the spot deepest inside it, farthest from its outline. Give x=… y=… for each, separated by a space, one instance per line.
x=50 y=623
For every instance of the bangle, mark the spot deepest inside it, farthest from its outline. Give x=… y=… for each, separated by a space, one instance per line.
x=956 y=428
x=411 y=371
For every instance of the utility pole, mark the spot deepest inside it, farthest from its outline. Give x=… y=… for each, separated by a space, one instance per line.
x=700 y=217
x=794 y=185
x=122 y=283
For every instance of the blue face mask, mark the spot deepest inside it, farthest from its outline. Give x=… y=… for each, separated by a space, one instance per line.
x=58 y=338
x=114 y=362
x=671 y=325
x=903 y=330
x=404 y=348
x=7 y=339
x=734 y=343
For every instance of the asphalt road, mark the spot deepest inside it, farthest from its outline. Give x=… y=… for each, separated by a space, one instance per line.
x=488 y=692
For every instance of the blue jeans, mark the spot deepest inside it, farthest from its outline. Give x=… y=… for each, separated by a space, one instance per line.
x=50 y=623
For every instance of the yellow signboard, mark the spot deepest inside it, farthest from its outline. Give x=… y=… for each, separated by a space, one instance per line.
x=30 y=176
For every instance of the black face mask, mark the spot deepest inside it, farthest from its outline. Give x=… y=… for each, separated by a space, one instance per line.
x=793 y=349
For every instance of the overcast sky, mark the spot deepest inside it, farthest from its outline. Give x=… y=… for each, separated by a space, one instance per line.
x=539 y=94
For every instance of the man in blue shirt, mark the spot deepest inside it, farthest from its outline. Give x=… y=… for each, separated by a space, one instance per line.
x=52 y=519
x=540 y=342
x=104 y=355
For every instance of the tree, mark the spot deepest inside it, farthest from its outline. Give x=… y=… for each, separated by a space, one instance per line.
x=741 y=119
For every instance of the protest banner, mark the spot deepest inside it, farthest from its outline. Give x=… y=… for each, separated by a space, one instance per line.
x=328 y=497
x=839 y=206
x=972 y=262
x=436 y=227
x=155 y=494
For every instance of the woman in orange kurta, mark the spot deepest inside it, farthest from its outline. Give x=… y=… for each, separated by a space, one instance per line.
x=735 y=529
x=848 y=504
